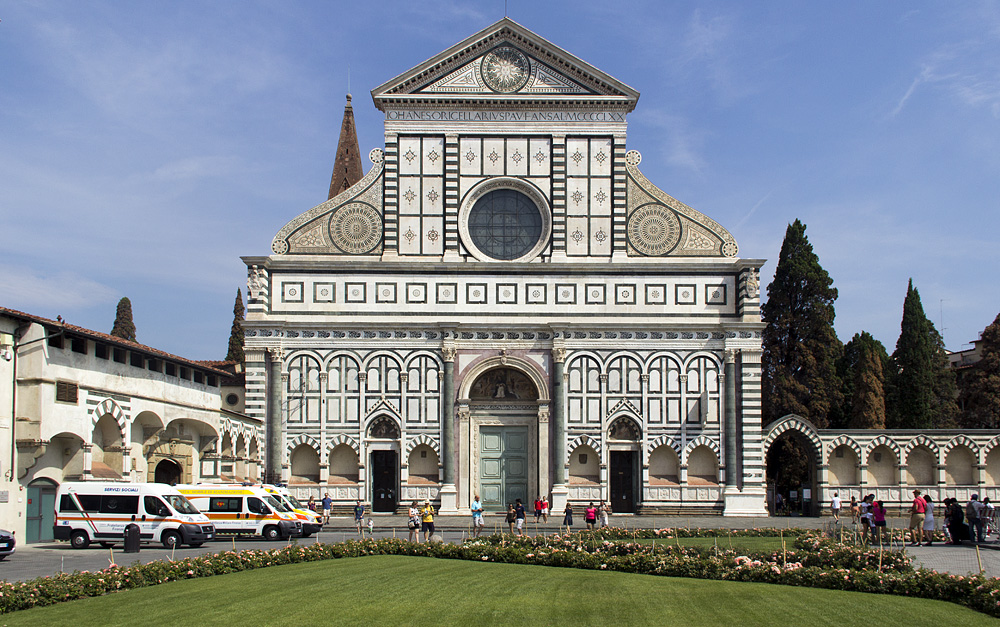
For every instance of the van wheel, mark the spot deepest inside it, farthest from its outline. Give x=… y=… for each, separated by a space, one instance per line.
x=79 y=540
x=107 y=545
x=272 y=533
x=170 y=539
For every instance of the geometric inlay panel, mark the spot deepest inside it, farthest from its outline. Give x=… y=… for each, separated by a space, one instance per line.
x=715 y=294
x=685 y=295
x=653 y=230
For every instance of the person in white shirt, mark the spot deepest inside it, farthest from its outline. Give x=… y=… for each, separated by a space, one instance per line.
x=835 y=506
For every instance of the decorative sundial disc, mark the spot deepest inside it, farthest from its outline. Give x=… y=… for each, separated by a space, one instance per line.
x=653 y=230
x=356 y=228
x=505 y=69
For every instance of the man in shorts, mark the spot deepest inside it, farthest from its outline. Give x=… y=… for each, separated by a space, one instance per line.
x=477 y=517
x=427 y=520
x=917 y=512
x=327 y=504
x=519 y=516
x=359 y=516
x=835 y=506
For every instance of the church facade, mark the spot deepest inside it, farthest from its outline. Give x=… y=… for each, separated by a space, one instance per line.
x=505 y=306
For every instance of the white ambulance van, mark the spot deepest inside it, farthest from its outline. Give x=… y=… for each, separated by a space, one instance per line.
x=247 y=510
x=98 y=511
x=311 y=521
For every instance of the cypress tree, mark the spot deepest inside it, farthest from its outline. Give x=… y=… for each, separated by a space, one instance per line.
x=980 y=384
x=124 y=327
x=862 y=369
x=923 y=388
x=800 y=346
x=235 y=352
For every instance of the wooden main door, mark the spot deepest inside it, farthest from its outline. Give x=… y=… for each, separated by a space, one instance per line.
x=503 y=466
x=385 y=481
x=623 y=481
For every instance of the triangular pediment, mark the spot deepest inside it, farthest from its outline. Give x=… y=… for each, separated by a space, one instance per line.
x=504 y=62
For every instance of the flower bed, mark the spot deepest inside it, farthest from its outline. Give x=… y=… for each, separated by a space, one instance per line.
x=814 y=561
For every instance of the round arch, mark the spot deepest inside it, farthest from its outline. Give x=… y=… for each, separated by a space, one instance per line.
x=528 y=368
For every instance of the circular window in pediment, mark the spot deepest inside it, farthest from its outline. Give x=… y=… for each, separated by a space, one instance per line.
x=505 y=219
x=505 y=69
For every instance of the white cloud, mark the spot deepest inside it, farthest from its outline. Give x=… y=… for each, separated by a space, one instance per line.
x=23 y=288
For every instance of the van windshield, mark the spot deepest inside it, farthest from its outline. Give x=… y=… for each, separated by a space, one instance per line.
x=275 y=503
x=295 y=502
x=181 y=504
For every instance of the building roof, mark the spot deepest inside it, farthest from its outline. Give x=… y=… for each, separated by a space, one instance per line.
x=347 y=166
x=113 y=340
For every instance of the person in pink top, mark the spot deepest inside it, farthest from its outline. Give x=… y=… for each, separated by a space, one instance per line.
x=917 y=511
x=590 y=516
x=878 y=521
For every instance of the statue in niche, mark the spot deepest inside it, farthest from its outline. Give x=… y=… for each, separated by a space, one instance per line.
x=384 y=429
x=623 y=429
x=505 y=384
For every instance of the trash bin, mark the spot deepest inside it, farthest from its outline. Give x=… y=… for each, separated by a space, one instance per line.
x=132 y=538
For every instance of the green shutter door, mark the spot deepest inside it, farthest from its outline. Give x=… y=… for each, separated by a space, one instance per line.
x=503 y=465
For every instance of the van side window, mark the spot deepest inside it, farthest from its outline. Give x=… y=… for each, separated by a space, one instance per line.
x=115 y=504
x=223 y=504
x=66 y=504
x=89 y=502
x=256 y=506
x=153 y=506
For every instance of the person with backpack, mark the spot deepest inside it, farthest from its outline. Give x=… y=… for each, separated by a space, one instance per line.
x=973 y=514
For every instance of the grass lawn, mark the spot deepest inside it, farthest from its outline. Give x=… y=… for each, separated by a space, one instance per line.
x=398 y=590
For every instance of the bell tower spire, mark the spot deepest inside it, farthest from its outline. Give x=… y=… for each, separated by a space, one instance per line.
x=347 y=167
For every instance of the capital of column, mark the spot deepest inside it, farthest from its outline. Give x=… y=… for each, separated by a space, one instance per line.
x=448 y=353
x=731 y=355
x=276 y=353
x=559 y=354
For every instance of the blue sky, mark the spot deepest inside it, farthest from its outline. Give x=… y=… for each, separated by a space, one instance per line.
x=146 y=146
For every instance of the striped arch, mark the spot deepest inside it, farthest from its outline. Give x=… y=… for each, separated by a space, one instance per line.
x=879 y=441
x=591 y=354
x=341 y=438
x=962 y=440
x=702 y=440
x=328 y=359
x=581 y=440
x=304 y=352
x=423 y=438
x=668 y=355
x=843 y=440
x=922 y=440
x=696 y=354
x=411 y=357
x=664 y=440
x=791 y=422
x=108 y=406
x=992 y=444
x=374 y=355
x=303 y=439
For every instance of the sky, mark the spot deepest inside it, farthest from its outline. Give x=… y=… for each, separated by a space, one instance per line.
x=146 y=145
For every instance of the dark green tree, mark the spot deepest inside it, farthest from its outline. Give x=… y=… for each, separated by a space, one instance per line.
x=861 y=369
x=800 y=345
x=236 y=334
x=980 y=384
x=923 y=393
x=124 y=327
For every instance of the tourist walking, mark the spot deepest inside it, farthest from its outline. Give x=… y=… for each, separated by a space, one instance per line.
x=865 y=516
x=477 y=517
x=427 y=520
x=359 y=515
x=855 y=509
x=545 y=509
x=538 y=508
x=568 y=516
x=519 y=516
x=311 y=504
x=835 y=506
x=327 y=504
x=605 y=514
x=878 y=521
x=511 y=518
x=928 y=520
x=956 y=521
x=413 y=523
x=590 y=516
x=918 y=509
x=974 y=516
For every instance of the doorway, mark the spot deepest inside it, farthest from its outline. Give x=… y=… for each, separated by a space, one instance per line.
x=385 y=481
x=622 y=481
x=41 y=509
x=167 y=471
x=503 y=465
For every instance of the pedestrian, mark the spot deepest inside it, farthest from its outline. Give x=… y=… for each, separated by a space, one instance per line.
x=779 y=504
x=855 y=509
x=590 y=516
x=929 y=520
x=311 y=504
x=427 y=520
x=327 y=504
x=605 y=515
x=946 y=527
x=989 y=514
x=878 y=521
x=956 y=522
x=359 y=515
x=918 y=509
x=545 y=509
x=413 y=523
x=538 y=508
x=568 y=516
x=602 y=515
x=519 y=516
x=974 y=516
x=865 y=516
x=477 y=517
x=835 y=506
x=371 y=527
x=511 y=518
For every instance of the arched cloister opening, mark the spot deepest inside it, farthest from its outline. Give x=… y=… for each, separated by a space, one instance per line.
x=842 y=469
x=146 y=427
x=791 y=463
x=993 y=466
x=106 y=453
x=253 y=455
x=584 y=466
x=343 y=465
x=883 y=467
x=959 y=466
x=240 y=465
x=422 y=465
x=69 y=453
x=703 y=466
x=304 y=465
x=168 y=471
x=664 y=466
x=921 y=467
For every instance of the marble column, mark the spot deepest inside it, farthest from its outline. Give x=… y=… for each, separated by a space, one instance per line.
x=449 y=494
x=732 y=476
x=560 y=492
x=272 y=461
